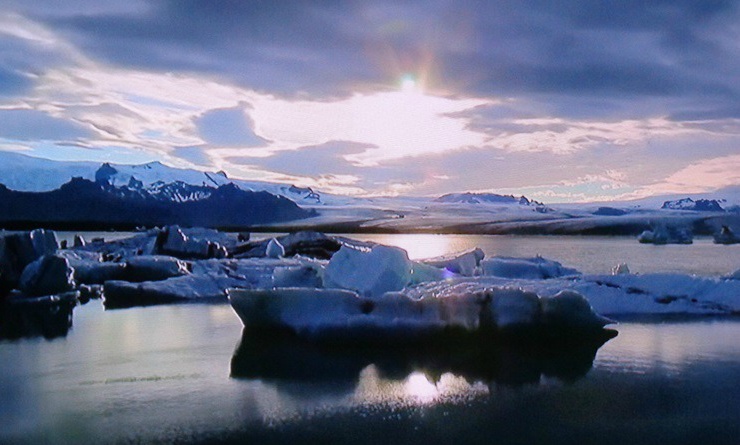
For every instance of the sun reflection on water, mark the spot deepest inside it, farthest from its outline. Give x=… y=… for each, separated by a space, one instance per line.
x=420 y=246
x=417 y=388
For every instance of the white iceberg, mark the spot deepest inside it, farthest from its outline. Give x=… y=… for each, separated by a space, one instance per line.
x=613 y=295
x=464 y=263
x=369 y=271
x=533 y=268
x=662 y=234
x=340 y=313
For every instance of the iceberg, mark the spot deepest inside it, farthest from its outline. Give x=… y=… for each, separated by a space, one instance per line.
x=330 y=314
x=533 y=268
x=363 y=290
x=369 y=271
x=465 y=263
x=666 y=235
x=614 y=295
x=726 y=236
x=48 y=275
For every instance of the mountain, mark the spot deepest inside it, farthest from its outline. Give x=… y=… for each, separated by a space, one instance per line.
x=700 y=205
x=26 y=173
x=485 y=198
x=82 y=204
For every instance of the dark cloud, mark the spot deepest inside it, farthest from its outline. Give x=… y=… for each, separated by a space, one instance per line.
x=31 y=125
x=310 y=161
x=228 y=127
x=582 y=48
x=21 y=60
x=328 y=160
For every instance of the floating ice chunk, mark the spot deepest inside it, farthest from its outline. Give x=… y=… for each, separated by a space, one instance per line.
x=660 y=294
x=572 y=310
x=89 y=269
x=173 y=241
x=396 y=311
x=462 y=263
x=321 y=313
x=421 y=273
x=44 y=241
x=666 y=235
x=726 y=236
x=154 y=268
x=187 y=288
x=49 y=275
x=514 y=308
x=274 y=249
x=18 y=250
x=531 y=268
x=79 y=241
x=310 y=244
x=302 y=310
x=621 y=269
x=296 y=276
x=338 y=313
x=369 y=272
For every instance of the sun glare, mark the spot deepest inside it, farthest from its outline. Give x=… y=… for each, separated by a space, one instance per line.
x=395 y=124
x=408 y=83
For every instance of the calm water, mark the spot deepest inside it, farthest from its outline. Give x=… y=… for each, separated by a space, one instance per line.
x=166 y=374
x=589 y=254
x=184 y=374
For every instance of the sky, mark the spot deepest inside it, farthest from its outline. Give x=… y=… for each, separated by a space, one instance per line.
x=562 y=101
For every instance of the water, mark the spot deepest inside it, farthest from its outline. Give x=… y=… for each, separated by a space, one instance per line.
x=589 y=254
x=184 y=374
x=166 y=373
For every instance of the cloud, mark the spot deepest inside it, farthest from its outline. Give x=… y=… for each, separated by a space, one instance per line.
x=703 y=176
x=397 y=124
x=228 y=127
x=31 y=125
x=328 y=158
x=532 y=95
x=478 y=48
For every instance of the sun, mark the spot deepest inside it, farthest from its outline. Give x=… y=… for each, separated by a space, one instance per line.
x=408 y=83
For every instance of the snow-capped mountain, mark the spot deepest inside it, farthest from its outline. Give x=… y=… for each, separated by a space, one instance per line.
x=81 y=203
x=25 y=173
x=700 y=205
x=485 y=198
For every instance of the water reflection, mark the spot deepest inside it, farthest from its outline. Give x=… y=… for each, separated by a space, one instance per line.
x=38 y=317
x=416 y=373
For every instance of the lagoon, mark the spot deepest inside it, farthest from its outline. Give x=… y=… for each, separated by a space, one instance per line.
x=187 y=374
x=166 y=373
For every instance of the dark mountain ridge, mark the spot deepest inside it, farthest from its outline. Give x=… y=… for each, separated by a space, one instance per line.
x=86 y=205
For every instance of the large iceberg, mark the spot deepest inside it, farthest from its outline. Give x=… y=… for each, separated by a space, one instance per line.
x=339 y=313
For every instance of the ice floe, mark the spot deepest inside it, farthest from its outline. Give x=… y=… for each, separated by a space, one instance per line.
x=315 y=284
